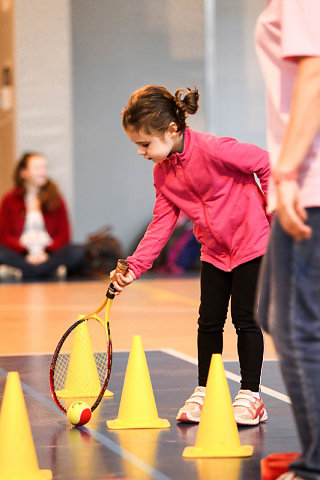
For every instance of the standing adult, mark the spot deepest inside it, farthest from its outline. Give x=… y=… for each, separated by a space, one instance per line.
x=288 y=47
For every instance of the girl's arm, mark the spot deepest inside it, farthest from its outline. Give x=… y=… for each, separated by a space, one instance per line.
x=304 y=123
x=165 y=216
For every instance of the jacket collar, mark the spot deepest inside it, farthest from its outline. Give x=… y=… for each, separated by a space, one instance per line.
x=185 y=155
x=188 y=143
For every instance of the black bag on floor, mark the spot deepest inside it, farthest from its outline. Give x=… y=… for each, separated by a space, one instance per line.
x=102 y=250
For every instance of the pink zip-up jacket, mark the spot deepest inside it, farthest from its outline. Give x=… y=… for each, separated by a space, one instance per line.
x=213 y=183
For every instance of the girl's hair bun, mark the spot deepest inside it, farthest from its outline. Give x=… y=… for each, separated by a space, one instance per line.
x=187 y=99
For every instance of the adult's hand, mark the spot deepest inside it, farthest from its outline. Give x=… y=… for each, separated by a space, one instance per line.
x=292 y=216
x=37 y=258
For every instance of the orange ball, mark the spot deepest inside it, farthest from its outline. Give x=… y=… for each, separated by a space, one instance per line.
x=79 y=413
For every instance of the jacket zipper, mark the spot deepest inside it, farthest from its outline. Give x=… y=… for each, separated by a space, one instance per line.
x=205 y=215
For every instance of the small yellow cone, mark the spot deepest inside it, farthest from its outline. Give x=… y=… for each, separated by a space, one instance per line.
x=82 y=382
x=218 y=434
x=137 y=405
x=18 y=459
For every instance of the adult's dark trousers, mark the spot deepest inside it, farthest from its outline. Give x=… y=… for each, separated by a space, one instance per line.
x=217 y=288
x=71 y=256
x=289 y=309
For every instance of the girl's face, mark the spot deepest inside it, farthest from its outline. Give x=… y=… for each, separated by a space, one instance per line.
x=156 y=147
x=36 y=173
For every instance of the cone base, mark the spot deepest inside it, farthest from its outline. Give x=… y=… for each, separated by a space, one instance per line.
x=39 y=475
x=218 y=451
x=118 y=424
x=68 y=394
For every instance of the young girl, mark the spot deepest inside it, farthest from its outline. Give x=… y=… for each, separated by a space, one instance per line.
x=212 y=181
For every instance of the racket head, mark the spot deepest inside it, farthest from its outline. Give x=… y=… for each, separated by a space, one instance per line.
x=80 y=368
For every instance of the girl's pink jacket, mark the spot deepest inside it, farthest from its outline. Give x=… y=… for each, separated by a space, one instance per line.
x=213 y=183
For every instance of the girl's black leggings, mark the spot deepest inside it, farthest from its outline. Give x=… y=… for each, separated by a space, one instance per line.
x=217 y=287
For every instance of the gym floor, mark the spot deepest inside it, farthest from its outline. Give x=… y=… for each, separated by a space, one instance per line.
x=163 y=311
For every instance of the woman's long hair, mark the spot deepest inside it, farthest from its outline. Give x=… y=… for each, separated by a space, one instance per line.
x=49 y=195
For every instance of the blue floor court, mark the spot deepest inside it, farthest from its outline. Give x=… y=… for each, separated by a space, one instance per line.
x=95 y=453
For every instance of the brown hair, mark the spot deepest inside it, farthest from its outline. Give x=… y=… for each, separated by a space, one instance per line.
x=153 y=108
x=49 y=195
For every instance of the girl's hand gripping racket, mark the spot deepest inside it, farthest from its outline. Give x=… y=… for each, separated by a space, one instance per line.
x=81 y=364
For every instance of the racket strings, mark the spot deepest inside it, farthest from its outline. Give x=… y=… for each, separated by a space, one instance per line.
x=62 y=366
x=61 y=370
x=82 y=364
x=101 y=359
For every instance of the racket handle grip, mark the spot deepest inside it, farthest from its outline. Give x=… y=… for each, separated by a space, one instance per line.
x=122 y=267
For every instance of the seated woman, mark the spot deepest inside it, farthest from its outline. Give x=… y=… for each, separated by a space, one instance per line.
x=34 y=225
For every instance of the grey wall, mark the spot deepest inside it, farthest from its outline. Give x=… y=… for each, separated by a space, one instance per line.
x=119 y=46
x=240 y=102
x=43 y=86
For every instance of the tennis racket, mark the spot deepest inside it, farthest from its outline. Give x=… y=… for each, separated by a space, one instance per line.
x=80 y=368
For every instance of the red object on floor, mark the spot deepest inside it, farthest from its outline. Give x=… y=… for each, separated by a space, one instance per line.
x=276 y=464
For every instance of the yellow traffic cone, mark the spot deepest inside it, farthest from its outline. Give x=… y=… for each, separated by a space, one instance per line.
x=18 y=458
x=218 y=434
x=137 y=405
x=82 y=382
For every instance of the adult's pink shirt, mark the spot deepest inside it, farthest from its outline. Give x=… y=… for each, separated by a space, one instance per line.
x=286 y=30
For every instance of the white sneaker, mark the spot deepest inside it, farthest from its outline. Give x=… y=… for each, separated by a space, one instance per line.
x=191 y=411
x=248 y=410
